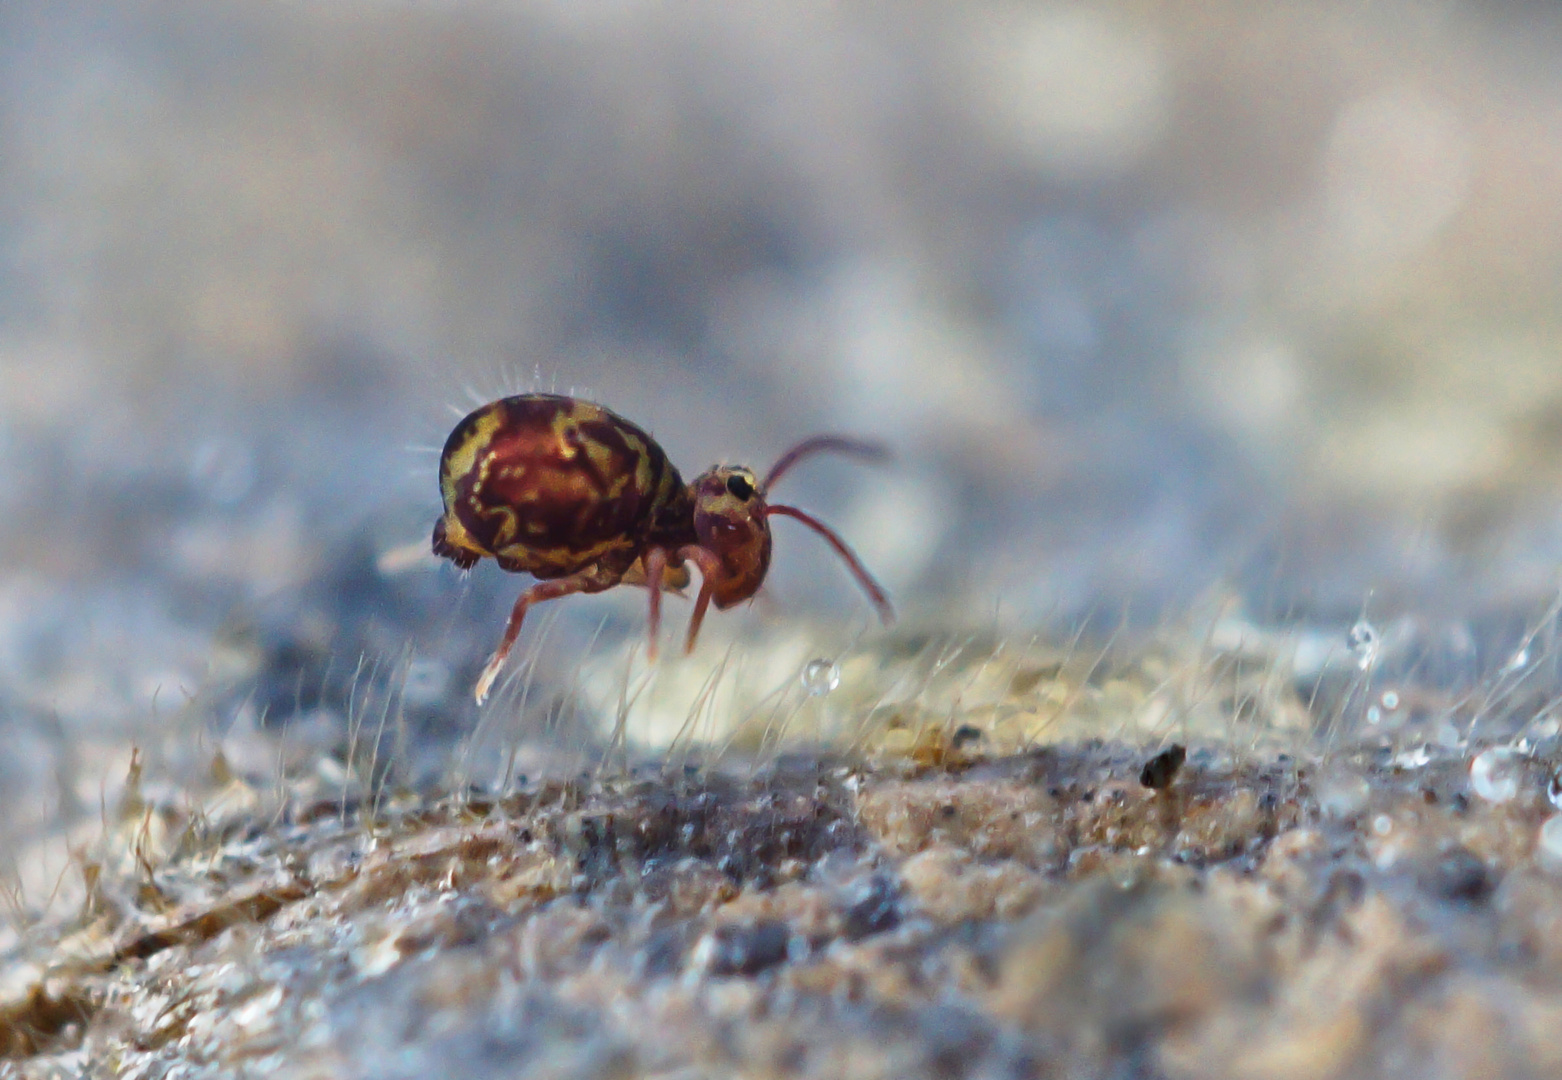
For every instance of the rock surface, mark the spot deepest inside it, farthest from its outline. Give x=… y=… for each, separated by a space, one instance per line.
x=1040 y=913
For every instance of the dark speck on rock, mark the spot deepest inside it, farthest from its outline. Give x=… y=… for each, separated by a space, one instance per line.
x=748 y=950
x=964 y=735
x=1460 y=875
x=1161 y=770
x=874 y=909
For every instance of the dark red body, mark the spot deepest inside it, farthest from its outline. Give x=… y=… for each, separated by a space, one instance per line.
x=551 y=485
x=583 y=500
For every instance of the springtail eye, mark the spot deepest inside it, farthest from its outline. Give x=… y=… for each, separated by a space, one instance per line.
x=740 y=486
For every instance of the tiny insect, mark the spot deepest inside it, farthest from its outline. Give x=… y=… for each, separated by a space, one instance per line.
x=583 y=500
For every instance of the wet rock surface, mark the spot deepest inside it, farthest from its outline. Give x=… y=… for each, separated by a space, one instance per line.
x=1033 y=914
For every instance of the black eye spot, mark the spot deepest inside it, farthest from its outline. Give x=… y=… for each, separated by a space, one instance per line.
x=739 y=486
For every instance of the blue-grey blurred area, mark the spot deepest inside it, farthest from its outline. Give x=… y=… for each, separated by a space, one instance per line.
x=1154 y=302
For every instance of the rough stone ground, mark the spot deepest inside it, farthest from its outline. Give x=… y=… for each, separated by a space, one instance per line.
x=933 y=904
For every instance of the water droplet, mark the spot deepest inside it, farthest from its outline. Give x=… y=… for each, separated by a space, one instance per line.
x=1551 y=841
x=1382 y=824
x=1414 y=758
x=1342 y=793
x=1364 y=642
x=1494 y=774
x=1554 y=789
x=1519 y=660
x=819 y=677
x=1374 y=714
x=1390 y=700
x=1125 y=873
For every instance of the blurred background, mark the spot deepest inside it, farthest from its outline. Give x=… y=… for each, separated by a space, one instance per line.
x=1159 y=305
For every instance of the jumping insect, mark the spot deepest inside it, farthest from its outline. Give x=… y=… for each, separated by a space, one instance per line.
x=583 y=500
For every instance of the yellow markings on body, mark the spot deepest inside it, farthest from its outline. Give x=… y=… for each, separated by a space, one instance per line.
x=485 y=465
x=461 y=462
x=457 y=536
x=595 y=552
x=564 y=423
x=559 y=559
x=569 y=420
x=507 y=527
x=635 y=447
x=664 y=489
x=601 y=456
x=642 y=455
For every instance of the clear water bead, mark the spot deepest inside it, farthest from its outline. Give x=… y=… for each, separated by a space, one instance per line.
x=1494 y=774
x=1390 y=700
x=1364 y=642
x=1554 y=789
x=1551 y=842
x=1341 y=793
x=1446 y=735
x=819 y=677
